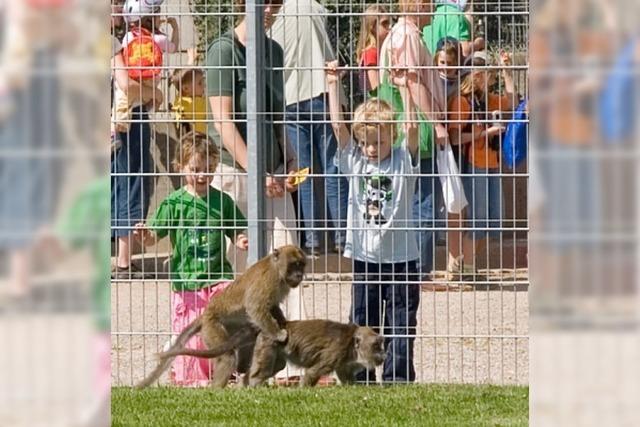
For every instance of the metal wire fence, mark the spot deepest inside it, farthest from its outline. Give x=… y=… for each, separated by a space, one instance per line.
x=386 y=246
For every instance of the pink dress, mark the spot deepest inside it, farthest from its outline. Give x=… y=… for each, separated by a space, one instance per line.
x=185 y=308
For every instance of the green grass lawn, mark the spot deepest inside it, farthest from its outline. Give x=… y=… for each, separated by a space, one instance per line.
x=423 y=405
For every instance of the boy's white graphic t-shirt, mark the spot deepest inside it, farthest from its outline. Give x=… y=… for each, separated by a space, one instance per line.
x=380 y=223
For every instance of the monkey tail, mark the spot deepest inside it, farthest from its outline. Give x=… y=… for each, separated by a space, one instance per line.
x=231 y=344
x=164 y=363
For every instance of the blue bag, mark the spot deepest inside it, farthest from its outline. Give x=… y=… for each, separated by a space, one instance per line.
x=618 y=106
x=514 y=143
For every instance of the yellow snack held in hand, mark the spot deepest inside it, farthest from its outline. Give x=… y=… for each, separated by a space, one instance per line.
x=299 y=177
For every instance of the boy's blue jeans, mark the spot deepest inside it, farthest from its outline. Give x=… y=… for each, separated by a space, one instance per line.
x=386 y=298
x=310 y=132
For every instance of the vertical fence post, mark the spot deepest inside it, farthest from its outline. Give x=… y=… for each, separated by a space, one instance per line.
x=255 y=130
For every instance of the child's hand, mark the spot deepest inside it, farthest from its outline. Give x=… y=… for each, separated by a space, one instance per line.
x=332 y=72
x=274 y=188
x=505 y=58
x=142 y=233
x=442 y=134
x=242 y=242
x=399 y=77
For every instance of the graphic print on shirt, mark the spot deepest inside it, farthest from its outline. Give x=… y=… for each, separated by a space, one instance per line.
x=377 y=191
x=201 y=242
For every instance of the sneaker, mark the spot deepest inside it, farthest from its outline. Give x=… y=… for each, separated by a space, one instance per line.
x=128 y=273
x=313 y=252
x=338 y=249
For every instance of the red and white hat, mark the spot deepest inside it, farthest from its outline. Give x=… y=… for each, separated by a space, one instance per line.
x=135 y=9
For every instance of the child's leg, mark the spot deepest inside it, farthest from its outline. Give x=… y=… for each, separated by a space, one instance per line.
x=186 y=307
x=365 y=303
x=19 y=272
x=402 y=297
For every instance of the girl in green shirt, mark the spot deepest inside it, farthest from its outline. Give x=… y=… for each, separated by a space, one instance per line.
x=197 y=218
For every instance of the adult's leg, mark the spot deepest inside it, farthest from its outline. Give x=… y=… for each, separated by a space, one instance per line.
x=130 y=193
x=233 y=182
x=336 y=187
x=423 y=212
x=477 y=186
x=402 y=297
x=366 y=303
x=299 y=133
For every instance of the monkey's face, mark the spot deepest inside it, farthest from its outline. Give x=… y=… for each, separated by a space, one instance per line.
x=369 y=347
x=292 y=262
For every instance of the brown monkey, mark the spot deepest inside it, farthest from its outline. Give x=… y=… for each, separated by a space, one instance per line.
x=253 y=299
x=319 y=346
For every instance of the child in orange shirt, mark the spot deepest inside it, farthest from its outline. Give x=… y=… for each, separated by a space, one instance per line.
x=478 y=102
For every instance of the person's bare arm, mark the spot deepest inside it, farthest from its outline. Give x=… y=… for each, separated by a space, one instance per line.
x=410 y=125
x=175 y=34
x=422 y=98
x=461 y=138
x=373 y=76
x=465 y=46
x=222 y=112
x=507 y=75
x=335 y=109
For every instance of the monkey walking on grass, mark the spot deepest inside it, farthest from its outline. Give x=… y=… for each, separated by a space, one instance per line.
x=319 y=346
x=252 y=300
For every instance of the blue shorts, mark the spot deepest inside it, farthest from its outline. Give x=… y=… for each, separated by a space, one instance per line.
x=486 y=205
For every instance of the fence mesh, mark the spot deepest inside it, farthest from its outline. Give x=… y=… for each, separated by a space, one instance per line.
x=386 y=247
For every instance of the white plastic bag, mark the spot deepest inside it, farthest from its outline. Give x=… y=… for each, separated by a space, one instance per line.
x=452 y=190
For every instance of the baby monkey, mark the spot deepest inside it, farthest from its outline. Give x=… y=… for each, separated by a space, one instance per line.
x=319 y=346
x=251 y=302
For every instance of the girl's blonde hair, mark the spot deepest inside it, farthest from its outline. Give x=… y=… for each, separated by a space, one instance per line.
x=467 y=86
x=373 y=115
x=196 y=144
x=368 y=24
x=413 y=6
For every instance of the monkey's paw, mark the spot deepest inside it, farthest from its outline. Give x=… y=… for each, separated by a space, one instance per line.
x=282 y=336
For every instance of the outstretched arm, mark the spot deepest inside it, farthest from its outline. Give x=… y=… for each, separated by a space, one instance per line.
x=410 y=125
x=507 y=75
x=335 y=109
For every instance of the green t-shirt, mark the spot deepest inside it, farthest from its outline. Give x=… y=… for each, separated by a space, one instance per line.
x=226 y=51
x=448 y=21
x=86 y=224
x=197 y=227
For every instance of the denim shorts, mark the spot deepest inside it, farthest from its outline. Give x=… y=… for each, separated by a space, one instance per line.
x=486 y=205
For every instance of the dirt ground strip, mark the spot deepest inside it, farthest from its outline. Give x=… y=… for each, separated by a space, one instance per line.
x=471 y=336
